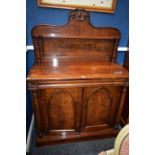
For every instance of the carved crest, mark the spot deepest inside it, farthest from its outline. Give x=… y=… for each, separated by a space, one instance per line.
x=79 y=15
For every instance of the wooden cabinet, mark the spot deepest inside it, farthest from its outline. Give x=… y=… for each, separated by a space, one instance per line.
x=78 y=90
x=74 y=113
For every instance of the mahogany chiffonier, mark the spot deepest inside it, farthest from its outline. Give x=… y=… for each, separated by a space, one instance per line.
x=78 y=90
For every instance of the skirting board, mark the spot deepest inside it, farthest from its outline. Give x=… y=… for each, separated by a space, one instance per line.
x=30 y=47
x=29 y=136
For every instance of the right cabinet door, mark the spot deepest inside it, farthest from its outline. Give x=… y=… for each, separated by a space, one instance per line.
x=100 y=106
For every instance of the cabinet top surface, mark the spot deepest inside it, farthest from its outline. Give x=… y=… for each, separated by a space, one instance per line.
x=77 y=50
x=79 y=70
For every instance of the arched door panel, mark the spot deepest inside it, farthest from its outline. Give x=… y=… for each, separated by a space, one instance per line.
x=100 y=107
x=59 y=110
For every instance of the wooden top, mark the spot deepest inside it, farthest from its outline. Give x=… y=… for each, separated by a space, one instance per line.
x=76 y=50
x=74 y=71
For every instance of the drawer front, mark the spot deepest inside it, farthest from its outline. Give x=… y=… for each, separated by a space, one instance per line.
x=100 y=106
x=59 y=110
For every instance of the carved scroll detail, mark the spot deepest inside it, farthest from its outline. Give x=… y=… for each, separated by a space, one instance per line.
x=79 y=15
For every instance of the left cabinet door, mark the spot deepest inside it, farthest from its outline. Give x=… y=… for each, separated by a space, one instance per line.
x=58 y=110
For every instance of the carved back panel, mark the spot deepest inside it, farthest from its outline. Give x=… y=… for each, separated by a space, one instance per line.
x=78 y=40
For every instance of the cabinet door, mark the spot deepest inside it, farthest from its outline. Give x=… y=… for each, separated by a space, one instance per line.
x=100 y=106
x=59 y=110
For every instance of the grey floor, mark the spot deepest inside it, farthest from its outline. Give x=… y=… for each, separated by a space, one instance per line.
x=76 y=148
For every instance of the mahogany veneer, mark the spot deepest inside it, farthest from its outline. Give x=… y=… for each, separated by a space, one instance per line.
x=78 y=90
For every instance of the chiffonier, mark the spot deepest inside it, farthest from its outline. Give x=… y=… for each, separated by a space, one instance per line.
x=78 y=90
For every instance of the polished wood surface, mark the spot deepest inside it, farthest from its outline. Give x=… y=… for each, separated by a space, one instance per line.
x=78 y=90
x=78 y=40
x=77 y=70
x=100 y=106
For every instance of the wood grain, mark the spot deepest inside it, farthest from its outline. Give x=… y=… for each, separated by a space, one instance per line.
x=78 y=90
